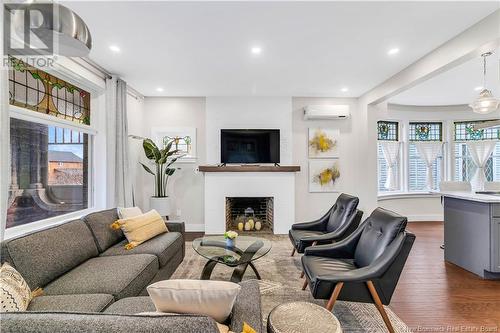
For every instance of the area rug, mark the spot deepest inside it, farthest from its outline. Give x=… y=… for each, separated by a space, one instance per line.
x=281 y=283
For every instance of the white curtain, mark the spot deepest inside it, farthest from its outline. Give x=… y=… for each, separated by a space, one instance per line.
x=390 y=150
x=429 y=152
x=480 y=152
x=119 y=184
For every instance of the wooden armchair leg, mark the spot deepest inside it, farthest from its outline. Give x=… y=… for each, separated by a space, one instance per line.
x=293 y=252
x=302 y=274
x=380 y=306
x=304 y=286
x=335 y=295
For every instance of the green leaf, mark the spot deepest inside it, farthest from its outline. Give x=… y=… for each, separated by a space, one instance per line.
x=36 y=76
x=168 y=146
x=147 y=169
x=151 y=150
x=169 y=171
x=172 y=161
x=170 y=153
x=164 y=156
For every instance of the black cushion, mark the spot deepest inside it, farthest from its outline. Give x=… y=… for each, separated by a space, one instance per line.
x=344 y=207
x=318 y=266
x=379 y=231
x=299 y=238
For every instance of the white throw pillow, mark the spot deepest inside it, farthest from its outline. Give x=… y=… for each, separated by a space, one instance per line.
x=15 y=294
x=126 y=213
x=204 y=297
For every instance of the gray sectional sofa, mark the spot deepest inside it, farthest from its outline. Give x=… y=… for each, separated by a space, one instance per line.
x=91 y=282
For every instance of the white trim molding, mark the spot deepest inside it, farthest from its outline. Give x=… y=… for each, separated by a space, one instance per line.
x=194 y=227
x=46 y=223
x=426 y=218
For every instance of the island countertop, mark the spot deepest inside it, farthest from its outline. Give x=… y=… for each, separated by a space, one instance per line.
x=472 y=196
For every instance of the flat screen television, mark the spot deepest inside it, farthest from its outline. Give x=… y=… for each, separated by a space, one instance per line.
x=250 y=146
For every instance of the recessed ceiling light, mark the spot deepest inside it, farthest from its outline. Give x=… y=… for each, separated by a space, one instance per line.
x=393 y=51
x=345 y=89
x=114 y=48
x=256 y=50
x=478 y=88
x=159 y=89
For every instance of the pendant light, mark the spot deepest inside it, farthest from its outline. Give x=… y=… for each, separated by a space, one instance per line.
x=486 y=102
x=58 y=29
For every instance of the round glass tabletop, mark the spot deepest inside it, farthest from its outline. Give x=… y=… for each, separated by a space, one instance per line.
x=245 y=249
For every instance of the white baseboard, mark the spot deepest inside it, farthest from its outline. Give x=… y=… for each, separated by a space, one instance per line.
x=426 y=218
x=195 y=227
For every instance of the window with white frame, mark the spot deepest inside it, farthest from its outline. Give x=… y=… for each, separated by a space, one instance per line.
x=417 y=167
x=50 y=153
x=464 y=166
x=388 y=135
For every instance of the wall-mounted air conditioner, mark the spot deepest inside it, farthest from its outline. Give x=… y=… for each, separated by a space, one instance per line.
x=326 y=112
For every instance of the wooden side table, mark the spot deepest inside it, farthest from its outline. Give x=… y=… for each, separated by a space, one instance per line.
x=302 y=317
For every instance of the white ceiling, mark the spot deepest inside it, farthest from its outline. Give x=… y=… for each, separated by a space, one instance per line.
x=456 y=86
x=308 y=48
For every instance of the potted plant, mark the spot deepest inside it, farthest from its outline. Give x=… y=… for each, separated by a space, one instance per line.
x=230 y=237
x=163 y=160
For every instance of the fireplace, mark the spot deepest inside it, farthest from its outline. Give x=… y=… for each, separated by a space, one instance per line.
x=250 y=214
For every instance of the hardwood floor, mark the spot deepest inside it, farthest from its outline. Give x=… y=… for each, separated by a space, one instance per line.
x=434 y=295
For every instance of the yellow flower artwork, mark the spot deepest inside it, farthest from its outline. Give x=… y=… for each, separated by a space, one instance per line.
x=323 y=143
x=324 y=175
x=328 y=175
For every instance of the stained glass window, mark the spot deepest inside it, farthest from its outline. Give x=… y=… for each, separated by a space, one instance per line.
x=426 y=131
x=464 y=165
x=423 y=131
x=388 y=130
x=464 y=131
x=36 y=90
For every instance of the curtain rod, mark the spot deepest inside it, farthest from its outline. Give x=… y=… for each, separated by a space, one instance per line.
x=102 y=72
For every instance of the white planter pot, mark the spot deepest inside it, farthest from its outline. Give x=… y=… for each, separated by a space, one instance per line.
x=162 y=205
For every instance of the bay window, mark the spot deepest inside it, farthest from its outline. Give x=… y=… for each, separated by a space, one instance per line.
x=388 y=156
x=464 y=166
x=417 y=162
x=425 y=155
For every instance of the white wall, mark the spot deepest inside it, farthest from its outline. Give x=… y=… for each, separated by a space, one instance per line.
x=423 y=208
x=313 y=205
x=186 y=186
x=357 y=147
x=249 y=112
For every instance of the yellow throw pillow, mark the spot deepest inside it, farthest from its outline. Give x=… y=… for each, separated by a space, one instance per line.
x=225 y=329
x=141 y=228
x=247 y=328
x=15 y=294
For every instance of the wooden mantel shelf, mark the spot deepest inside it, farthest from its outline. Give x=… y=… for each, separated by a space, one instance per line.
x=249 y=168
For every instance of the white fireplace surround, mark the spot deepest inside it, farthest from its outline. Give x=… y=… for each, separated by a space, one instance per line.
x=219 y=185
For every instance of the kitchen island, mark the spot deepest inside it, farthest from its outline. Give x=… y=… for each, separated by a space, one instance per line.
x=472 y=232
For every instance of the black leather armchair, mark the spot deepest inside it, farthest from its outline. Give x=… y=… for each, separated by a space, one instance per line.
x=364 y=267
x=339 y=222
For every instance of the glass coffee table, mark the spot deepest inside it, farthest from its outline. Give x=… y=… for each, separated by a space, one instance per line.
x=245 y=250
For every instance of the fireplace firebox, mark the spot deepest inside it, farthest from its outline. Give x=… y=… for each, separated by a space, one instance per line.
x=249 y=214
